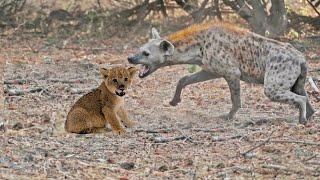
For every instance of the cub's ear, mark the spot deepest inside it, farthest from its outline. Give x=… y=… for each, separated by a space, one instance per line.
x=104 y=72
x=167 y=47
x=132 y=70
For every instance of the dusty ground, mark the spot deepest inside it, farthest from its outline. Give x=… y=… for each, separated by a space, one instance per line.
x=263 y=141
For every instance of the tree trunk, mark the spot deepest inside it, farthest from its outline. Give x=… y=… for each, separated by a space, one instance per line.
x=255 y=13
x=277 y=21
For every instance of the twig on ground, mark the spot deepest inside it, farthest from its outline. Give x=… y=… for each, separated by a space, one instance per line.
x=210 y=130
x=219 y=139
x=291 y=142
x=170 y=139
x=152 y=131
x=312 y=157
x=20 y=92
x=16 y=81
x=80 y=91
x=257 y=146
x=68 y=81
x=276 y=167
x=296 y=142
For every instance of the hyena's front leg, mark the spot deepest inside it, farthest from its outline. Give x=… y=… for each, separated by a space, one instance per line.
x=191 y=79
x=234 y=87
x=124 y=118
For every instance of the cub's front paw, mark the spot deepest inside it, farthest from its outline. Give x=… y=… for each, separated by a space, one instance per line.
x=130 y=124
x=119 y=132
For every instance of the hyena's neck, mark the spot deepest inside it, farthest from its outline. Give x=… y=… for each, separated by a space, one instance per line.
x=185 y=55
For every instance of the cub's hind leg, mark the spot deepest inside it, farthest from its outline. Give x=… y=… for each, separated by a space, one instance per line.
x=80 y=121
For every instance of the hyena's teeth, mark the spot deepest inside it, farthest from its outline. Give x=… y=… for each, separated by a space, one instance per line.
x=143 y=70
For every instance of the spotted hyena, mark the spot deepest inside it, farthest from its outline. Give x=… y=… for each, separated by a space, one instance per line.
x=225 y=51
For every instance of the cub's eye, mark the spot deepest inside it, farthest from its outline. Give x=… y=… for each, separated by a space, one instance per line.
x=125 y=79
x=115 y=80
x=105 y=76
x=145 y=53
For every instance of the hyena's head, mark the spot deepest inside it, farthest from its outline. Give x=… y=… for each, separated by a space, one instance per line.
x=118 y=79
x=152 y=55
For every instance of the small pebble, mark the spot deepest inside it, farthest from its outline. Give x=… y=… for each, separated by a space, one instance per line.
x=17 y=126
x=163 y=168
x=127 y=165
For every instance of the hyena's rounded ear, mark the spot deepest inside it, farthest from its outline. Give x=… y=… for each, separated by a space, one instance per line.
x=104 y=72
x=132 y=70
x=167 y=47
x=154 y=33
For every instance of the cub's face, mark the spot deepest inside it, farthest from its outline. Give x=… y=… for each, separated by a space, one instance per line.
x=118 y=79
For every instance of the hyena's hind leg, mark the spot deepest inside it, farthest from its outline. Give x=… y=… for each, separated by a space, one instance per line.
x=280 y=77
x=299 y=89
x=200 y=76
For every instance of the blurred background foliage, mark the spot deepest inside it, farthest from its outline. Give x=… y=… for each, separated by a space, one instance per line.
x=104 y=18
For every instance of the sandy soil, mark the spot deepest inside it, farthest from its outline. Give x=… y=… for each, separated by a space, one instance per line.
x=188 y=141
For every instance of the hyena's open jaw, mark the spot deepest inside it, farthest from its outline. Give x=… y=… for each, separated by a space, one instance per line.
x=144 y=70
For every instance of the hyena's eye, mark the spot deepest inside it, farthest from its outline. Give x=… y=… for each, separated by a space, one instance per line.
x=145 y=53
x=114 y=80
x=126 y=79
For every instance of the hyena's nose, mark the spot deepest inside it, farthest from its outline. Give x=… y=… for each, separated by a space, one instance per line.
x=130 y=59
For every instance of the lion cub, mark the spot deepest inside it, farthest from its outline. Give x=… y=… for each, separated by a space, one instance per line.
x=103 y=105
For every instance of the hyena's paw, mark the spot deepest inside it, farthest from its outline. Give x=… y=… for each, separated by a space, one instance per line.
x=175 y=101
x=303 y=120
x=227 y=116
x=130 y=123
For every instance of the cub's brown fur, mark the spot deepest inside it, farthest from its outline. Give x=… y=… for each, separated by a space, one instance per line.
x=103 y=105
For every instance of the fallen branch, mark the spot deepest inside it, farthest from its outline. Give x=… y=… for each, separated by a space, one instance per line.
x=291 y=142
x=155 y=131
x=257 y=146
x=68 y=81
x=276 y=167
x=314 y=7
x=80 y=91
x=210 y=130
x=312 y=157
x=296 y=142
x=219 y=139
x=16 y=81
x=313 y=85
x=170 y=139
x=20 y=92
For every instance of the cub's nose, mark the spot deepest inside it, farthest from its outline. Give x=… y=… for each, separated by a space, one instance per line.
x=121 y=87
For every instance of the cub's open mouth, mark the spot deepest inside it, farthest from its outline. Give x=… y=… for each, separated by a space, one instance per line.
x=122 y=93
x=144 y=70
